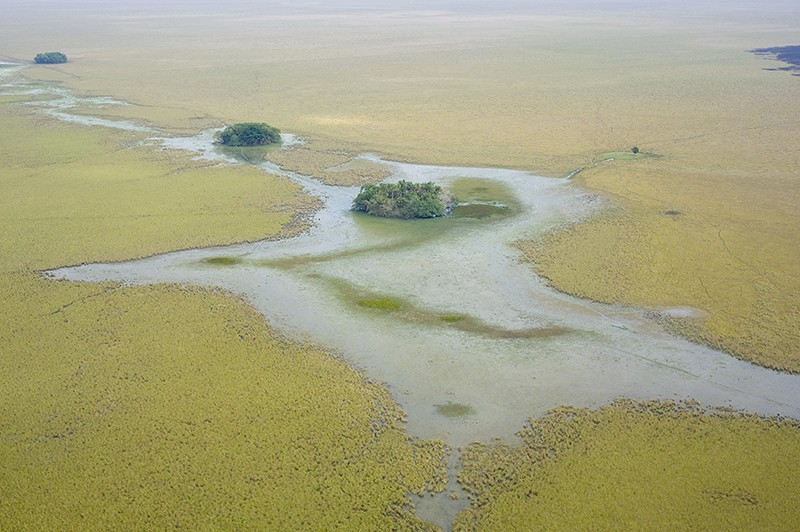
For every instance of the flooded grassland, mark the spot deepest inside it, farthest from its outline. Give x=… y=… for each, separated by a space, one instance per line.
x=702 y=234
x=548 y=90
x=165 y=405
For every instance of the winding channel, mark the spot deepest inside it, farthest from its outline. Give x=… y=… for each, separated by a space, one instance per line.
x=479 y=343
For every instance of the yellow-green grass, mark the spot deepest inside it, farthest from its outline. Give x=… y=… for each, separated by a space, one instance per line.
x=84 y=195
x=651 y=466
x=530 y=91
x=725 y=245
x=535 y=92
x=549 y=89
x=623 y=155
x=156 y=407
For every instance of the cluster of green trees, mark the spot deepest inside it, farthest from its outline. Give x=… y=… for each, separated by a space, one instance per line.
x=404 y=200
x=49 y=58
x=250 y=134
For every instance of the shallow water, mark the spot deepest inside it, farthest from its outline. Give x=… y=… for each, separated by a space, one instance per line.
x=443 y=274
x=470 y=342
x=525 y=349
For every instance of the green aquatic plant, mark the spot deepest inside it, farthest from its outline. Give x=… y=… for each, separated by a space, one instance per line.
x=222 y=261
x=450 y=409
x=166 y=406
x=383 y=303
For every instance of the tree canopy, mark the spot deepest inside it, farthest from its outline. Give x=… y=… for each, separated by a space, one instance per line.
x=48 y=58
x=250 y=134
x=404 y=200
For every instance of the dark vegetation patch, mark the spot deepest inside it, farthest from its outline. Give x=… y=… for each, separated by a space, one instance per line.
x=450 y=409
x=673 y=213
x=50 y=58
x=404 y=200
x=250 y=134
x=785 y=54
x=383 y=303
x=222 y=261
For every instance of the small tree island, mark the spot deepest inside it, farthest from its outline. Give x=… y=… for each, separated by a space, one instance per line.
x=50 y=58
x=250 y=134
x=404 y=200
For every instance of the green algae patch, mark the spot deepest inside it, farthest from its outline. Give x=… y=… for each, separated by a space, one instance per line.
x=383 y=303
x=450 y=409
x=405 y=310
x=646 y=466
x=223 y=261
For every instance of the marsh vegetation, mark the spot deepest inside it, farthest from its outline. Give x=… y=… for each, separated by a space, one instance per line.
x=156 y=406
x=118 y=402
x=650 y=465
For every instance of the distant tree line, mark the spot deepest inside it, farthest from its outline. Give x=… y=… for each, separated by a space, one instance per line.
x=49 y=58
x=404 y=200
x=250 y=134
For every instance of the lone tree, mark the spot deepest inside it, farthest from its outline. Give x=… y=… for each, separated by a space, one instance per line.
x=635 y=150
x=50 y=58
x=250 y=134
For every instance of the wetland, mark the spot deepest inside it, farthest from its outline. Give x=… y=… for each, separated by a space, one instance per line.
x=316 y=376
x=445 y=313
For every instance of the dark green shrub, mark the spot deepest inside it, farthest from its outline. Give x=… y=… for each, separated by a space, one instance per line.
x=404 y=200
x=50 y=58
x=250 y=134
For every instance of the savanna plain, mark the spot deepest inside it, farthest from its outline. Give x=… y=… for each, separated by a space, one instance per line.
x=179 y=406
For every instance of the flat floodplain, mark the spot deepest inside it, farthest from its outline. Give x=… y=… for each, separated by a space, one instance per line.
x=708 y=226
x=170 y=406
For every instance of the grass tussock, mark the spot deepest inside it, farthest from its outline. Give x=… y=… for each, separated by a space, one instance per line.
x=645 y=466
